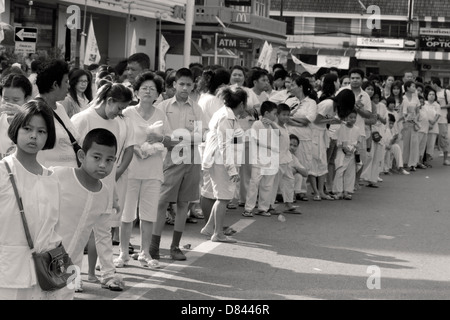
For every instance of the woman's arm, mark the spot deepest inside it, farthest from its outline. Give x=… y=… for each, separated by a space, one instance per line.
x=126 y=160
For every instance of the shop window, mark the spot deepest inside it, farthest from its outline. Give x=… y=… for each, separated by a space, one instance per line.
x=391 y=29
x=37 y=16
x=334 y=27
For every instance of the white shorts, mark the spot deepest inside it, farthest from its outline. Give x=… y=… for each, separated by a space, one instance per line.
x=146 y=193
x=223 y=187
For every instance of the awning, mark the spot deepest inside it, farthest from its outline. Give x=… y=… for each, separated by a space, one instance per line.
x=221 y=53
x=385 y=55
x=432 y=55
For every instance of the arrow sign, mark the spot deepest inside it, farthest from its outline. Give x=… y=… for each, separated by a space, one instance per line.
x=25 y=34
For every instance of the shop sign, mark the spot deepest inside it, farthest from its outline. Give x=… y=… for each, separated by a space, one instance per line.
x=240 y=17
x=235 y=43
x=434 y=32
x=25 y=40
x=380 y=42
x=432 y=42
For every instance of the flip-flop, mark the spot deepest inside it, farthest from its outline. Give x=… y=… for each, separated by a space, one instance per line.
x=226 y=239
x=229 y=231
x=292 y=212
x=231 y=206
x=327 y=197
x=114 y=284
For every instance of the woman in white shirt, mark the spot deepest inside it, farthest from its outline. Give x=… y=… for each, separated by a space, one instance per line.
x=433 y=109
x=218 y=161
x=304 y=112
x=145 y=173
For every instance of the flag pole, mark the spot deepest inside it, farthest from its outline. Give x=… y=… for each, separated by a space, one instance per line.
x=83 y=37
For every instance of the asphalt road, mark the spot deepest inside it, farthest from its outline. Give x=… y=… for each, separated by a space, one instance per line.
x=388 y=243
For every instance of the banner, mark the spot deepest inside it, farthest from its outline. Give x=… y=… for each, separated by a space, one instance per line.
x=268 y=58
x=164 y=47
x=133 y=43
x=339 y=62
x=2 y=6
x=92 y=53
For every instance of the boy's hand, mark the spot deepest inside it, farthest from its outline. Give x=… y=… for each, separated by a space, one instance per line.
x=235 y=178
x=267 y=121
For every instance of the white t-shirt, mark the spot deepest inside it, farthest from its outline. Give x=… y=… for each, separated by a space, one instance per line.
x=441 y=100
x=325 y=109
x=62 y=153
x=209 y=104
x=151 y=167
x=432 y=110
x=80 y=209
x=7 y=147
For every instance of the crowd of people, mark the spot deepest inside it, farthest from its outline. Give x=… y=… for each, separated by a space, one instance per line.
x=95 y=150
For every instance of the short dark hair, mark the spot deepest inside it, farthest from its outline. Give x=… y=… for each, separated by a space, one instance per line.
x=184 y=72
x=268 y=106
x=427 y=91
x=391 y=117
x=35 y=65
x=408 y=84
x=436 y=81
x=277 y=66
x=356 y=70
x=99 y=136
x=218 y=77
x=280 y=74
x=16 y=81
x=283 y=107
x=256 y=75
x=294 y=137
x=148 y=76
x=24 y=115
x=345 y=101
x=390 y=100
x=51 y=71
x=141 y=58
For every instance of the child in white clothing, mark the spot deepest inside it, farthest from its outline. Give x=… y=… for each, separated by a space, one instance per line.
x=84 y=197
x=263 y=157
x=347 y=143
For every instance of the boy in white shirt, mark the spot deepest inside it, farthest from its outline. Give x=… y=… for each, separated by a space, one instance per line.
x=264 y=157
x=347 y=142
x=84 y=197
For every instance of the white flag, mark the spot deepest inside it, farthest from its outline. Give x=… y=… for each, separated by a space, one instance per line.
x=308 y=67
x=263 y=53
x=133 y=43
x=92 y=53
x=268 y=58
x=164 y=47
x=2 y=6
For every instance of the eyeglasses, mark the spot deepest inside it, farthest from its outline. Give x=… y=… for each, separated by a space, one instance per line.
x=147 y=88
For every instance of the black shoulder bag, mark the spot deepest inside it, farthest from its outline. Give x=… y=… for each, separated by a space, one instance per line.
x=52 y=267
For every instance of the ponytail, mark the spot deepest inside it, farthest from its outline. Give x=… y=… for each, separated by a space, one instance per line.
x=117 y=91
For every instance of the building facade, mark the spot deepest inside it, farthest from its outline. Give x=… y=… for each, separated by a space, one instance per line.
x=115 y=22
x=380 y=36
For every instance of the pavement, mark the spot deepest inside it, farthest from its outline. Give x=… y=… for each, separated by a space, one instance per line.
x=389 y=243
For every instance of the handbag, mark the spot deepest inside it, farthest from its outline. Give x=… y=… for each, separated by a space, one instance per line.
x=376 y=136
x=52 y=267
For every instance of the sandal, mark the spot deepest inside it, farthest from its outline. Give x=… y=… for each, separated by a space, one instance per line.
x=79 y=286
x=231 y=206
x=148 y=262
x=317 y=198
x=263 y=213
x=114 y=284
x=348 y=197
x=229 y=231
x=302 y=197
x=120 y=262
x=327 y=197
x=170 y=221
x=197 y=214
x=247 y=214
x=191 y=220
